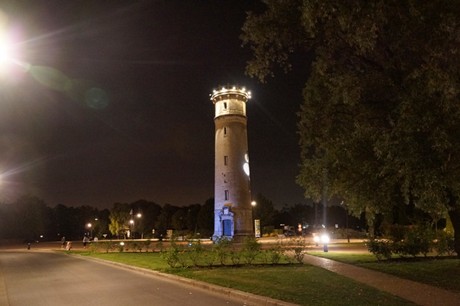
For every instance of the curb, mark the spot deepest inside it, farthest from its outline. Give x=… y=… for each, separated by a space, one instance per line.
x=3 y=296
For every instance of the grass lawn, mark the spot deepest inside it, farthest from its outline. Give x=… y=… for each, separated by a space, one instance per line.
x=439 y=272
x=300 y=284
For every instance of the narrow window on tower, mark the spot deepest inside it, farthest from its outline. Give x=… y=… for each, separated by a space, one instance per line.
x=225 y=130
x=226 y=195
x=225 y=160
x=225 y=105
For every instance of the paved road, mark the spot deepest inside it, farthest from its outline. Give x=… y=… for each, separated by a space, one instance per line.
x=47 y=279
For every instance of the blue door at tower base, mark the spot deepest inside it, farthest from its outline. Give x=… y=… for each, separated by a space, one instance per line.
x=227 y=227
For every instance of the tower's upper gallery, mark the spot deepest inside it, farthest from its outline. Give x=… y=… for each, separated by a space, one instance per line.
x=230 y=101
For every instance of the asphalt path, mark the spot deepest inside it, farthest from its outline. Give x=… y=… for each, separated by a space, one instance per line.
x=36 y=278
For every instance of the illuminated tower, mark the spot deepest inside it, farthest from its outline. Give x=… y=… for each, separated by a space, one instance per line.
x=232 y=194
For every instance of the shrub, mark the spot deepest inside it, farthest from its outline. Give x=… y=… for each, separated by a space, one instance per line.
x=146 y=244
x=382 y=249
x=275 y=254
x=159 y=246
x=209 y=258
x=171 y=255
x=251 y=248
x=93 y=247
x=235 y=256
x=196 y=251
x=406 y=241
x=221 y=248
x=444 y=244
x=135 y=246
x=416 y=241
x=106 y=245
x=299 y=248
x=182 y=259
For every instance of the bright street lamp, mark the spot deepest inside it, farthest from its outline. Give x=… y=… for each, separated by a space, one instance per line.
x=131 y=228
x=5 y=55
x=9 y=57
x=90 y=227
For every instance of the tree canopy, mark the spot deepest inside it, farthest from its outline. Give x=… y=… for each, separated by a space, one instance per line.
x=379 y=124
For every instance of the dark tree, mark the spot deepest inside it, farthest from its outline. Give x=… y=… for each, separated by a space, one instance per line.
x=179 y=219
x=31 y=218
x=164 y=219
x=150 y=212
x=205 y=218
x=192 y=217
x=381 y=105
x=264 y=210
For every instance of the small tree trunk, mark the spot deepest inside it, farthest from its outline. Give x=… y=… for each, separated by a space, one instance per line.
x=454 y=215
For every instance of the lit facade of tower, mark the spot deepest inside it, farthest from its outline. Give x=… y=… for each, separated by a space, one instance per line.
x=232 y=192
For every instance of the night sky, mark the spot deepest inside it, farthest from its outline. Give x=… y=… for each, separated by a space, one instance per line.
x=115 y=107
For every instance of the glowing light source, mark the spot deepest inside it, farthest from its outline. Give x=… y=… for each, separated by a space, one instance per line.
x=323 y=238
x=9 y=56
x=234 y=90
x=3 y=53
x=246 y=168
x=4 y=50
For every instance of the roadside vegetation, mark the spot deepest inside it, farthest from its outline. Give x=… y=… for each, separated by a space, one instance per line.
x=195 y=254
x=259 y=271
x=412 y=241
x=277 y=270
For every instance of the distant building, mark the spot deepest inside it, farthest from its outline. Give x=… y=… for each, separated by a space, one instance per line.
x=232 y=192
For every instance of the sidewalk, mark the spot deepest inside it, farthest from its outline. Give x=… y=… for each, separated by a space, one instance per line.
x=418 y=293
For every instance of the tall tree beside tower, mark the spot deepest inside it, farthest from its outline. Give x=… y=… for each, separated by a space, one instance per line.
x=381 y=111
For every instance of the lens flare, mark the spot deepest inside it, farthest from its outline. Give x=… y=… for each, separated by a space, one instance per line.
x=96 y=98
x=4 y=51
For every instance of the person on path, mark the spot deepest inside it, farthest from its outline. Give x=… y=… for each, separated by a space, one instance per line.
x=85 y=241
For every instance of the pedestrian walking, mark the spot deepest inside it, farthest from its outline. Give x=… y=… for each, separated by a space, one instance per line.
x=85 y=241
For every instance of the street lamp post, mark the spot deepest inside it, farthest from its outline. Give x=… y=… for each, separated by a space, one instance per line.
x=138 y=216
x=90 y=228
x=131 y=223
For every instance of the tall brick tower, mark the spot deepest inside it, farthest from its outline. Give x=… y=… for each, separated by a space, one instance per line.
x=232 y=192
